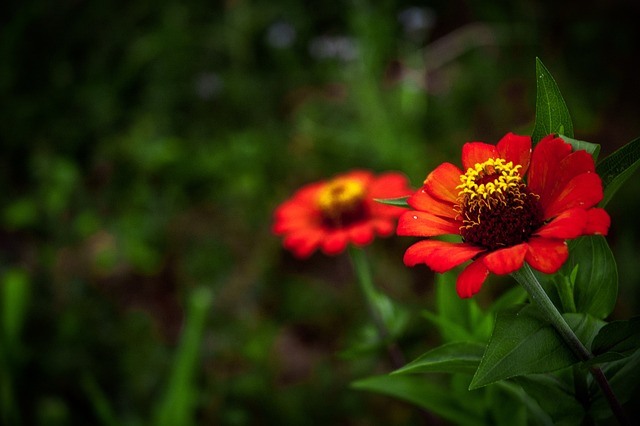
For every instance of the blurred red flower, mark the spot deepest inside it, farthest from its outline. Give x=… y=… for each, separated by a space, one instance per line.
x=503 y=220
x=330 y=214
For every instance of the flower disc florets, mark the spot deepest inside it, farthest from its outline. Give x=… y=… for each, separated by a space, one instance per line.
x=496 y=207
x=341 y=202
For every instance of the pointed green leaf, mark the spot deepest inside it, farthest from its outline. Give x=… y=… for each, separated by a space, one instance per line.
x=618 y=336
x=458 y=319
x=398 y=202
x=514 y=296
x=450 y=331
x=615 y=341
x=522 y=343
x=423 y=393
x=596 y=284
x=455 y=357
x=552 y=115
x=591 y=148
x=177 y=406
x=622 y=376
x=584 y=326
x=617 y=168
x=556 y=398
x=507 y=405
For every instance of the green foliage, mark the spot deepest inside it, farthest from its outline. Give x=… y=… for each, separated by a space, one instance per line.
x=591 y=148
x=596 y=280
x=423 y=393
x=177 y=405
x=454 y=357
x=145 y=146
x=555 y=397
x=618 y=374
x=398 y=202
x=618 y=168
x=616 y=340
x=522 y=343
x=552 y=115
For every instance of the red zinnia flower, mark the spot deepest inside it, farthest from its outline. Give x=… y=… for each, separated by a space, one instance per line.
x=503 y=220
x=330 y=214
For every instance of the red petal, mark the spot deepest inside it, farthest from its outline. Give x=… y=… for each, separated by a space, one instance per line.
x=575 y=164
x=361 y=234
x=584 y=191
x=572 y=165
x=441 y=183
x=285 y=225
x=545 y=165
x=517 y=149
x=546 y=255
x=506 y=260
x=335 y=242
x=477 y=152
x=421 y=200
x=470 y=280
x=303 y=243
x=389 y=185
x=440 y=255
x=598 y=222
x=423 y=224
x=569 y=224
x=365 y=176
x=384 y=227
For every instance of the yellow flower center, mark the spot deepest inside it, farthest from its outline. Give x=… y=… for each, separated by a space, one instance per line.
x=488 y=178
x=341 y=201
x=496 y=207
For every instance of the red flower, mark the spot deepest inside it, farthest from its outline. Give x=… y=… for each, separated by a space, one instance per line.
x=503 y=220
x=330 y=214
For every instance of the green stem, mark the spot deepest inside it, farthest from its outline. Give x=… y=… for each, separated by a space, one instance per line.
x=365 y=281
x=528 y=280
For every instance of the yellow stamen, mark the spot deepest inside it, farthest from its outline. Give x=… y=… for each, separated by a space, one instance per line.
x=340 y=195
x=494 y=176
x=495 y=206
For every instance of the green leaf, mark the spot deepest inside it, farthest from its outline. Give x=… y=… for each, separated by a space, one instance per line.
x=596 y=284
x=584 y=326
x=618 y=336
x=177 y=406
x=591 y=148
x=555 y=397
x=514 y=296
x=455 y=357
x=522 y=343
x=552 y=115
x=398 y=202
x=507 y=405
x=14 y=296
x=458 y=319
x=423 y=393
x=615 y=169
x=622 y=376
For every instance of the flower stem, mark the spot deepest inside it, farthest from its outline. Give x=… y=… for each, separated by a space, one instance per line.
x=371 y=295
x=528 y=280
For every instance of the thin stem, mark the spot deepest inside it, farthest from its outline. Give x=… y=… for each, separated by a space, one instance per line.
x=365 y=281
x=530 y=283
x=528 y=280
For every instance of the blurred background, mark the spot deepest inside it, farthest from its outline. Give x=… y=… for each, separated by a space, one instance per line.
x=144 y=146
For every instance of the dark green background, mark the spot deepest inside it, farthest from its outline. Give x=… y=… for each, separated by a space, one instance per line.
x=145 y=144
